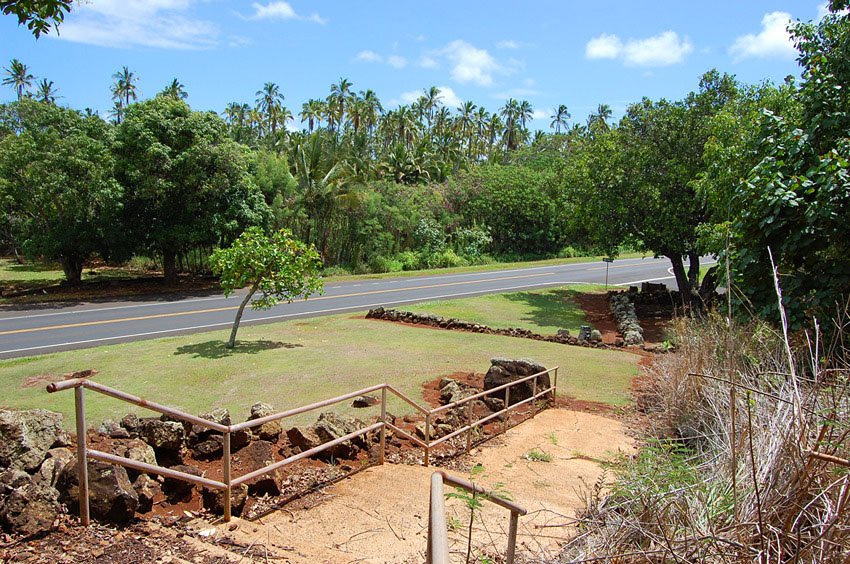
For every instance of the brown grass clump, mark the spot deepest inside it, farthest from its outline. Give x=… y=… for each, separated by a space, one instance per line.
x=748 y=457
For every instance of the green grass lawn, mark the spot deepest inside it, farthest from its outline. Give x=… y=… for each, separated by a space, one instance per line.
x=296 y=362
x=29 y=273
x=541 y=311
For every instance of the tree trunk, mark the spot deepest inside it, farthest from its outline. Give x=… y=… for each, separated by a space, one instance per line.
x=681 y=277
x=169 y=266
x=18 y=258
x=693 y=271
x=232 y=342
x=73 y=268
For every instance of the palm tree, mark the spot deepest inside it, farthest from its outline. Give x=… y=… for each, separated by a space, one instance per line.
x=175 y=90
x=466 y=122
x=600 y=118
x=372 y=109
x=270 y=104
x=511 y=112
x=340 y=93
x=18 y=77
x=431 y=102
x=312 y=112
x=123 y=89
x=559 y=119
x=46 y=92
x=526 y=112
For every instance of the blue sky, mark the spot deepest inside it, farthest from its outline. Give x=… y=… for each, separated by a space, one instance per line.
x=547 y=52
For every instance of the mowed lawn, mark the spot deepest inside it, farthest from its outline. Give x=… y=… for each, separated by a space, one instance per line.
x=297 y=362
x=541 y=311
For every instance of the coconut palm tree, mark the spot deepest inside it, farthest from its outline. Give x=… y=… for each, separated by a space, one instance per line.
x=559 y=119
x=18 y=77
x=432 y=100
x=270 y=105
x=600 y=118
x=46 y=92
x=338 y=99
x=175 y=90
x=123 y=90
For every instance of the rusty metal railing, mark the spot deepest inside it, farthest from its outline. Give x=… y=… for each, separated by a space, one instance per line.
x=438 y=536
x=228 y=481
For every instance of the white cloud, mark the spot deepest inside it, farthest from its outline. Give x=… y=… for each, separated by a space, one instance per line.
x=447 y=97
x=163 y=24
x=471 y=64
x=518 y=93
x=273 y=11
x=772 y=41
x=605 y=46
x=544 y=113
x=396 y=61
x=427 y=62
x=369 y=57
x=664 y=49
x=661 y=50
x=508 y=44
x=280 y=10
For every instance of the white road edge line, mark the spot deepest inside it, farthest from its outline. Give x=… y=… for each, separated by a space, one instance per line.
x=300 y=314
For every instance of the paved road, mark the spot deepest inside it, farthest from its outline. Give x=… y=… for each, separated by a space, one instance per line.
x=45 y=329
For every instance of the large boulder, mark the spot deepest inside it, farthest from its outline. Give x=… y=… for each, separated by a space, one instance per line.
x=267 y=431
x=255 y=456
x=165 y=435
x=503 y=371
x=111 y=495
x=134 y=449
x=30 y=509
x=56 y=461
x=26 y=436
x=213 y=499
x=451 y=391
x=199 y=433
x=331 y=426
x=303 y=438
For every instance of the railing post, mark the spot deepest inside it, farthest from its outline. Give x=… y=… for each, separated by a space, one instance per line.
x=507 y=412
x=384 y=421
x=533 y=396
x=228 y=491
x=469 y=425
x=82 y=464
x=509 y=558
x=555 y=389
x=427 y=439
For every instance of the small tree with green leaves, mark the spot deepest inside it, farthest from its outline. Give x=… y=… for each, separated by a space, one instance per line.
x=281 y=267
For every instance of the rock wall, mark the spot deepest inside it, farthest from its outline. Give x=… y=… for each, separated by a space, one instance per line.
x=563 y=337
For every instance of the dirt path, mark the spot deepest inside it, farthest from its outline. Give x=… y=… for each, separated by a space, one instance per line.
x=380 y=515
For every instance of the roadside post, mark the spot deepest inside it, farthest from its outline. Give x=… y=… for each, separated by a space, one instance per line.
x=607 y=261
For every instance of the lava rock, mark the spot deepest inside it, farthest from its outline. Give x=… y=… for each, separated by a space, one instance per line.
x=30 y=509
x=255 y=456
x=503 y=371
x=147 y=489
x=26 y=436
x=267 y=431
x=303 y=438
x=56 y=461
x=213 y=499
x=111 y=495
x=365 y=401
x=177 y=490
x=165 y=435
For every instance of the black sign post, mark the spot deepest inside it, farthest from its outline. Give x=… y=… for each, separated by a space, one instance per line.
x=607 y=261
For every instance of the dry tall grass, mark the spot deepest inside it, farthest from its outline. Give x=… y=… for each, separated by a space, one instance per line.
x=749 y=456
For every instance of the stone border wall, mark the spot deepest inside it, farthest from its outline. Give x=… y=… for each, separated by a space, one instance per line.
x=452 y=324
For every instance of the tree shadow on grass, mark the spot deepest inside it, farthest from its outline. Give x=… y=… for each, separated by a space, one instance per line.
x=555 y=308
x=217 y=349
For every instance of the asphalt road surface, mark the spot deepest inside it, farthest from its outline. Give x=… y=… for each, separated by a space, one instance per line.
x=49 y=328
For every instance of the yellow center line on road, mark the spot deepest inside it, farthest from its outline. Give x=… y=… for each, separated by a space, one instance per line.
x=233 y=308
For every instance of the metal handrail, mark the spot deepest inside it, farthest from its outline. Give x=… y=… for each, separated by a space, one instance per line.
x=228 y=482
x=438 y=544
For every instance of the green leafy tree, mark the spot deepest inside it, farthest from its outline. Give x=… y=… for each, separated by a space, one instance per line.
x=796 y=200
x=38 y=15
x=280 y=267
x=186 y=182
x=56 y=179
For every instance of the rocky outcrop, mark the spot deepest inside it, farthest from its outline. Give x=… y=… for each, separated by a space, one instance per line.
x=562 y=337
x=504 y=370
x=26 y=436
